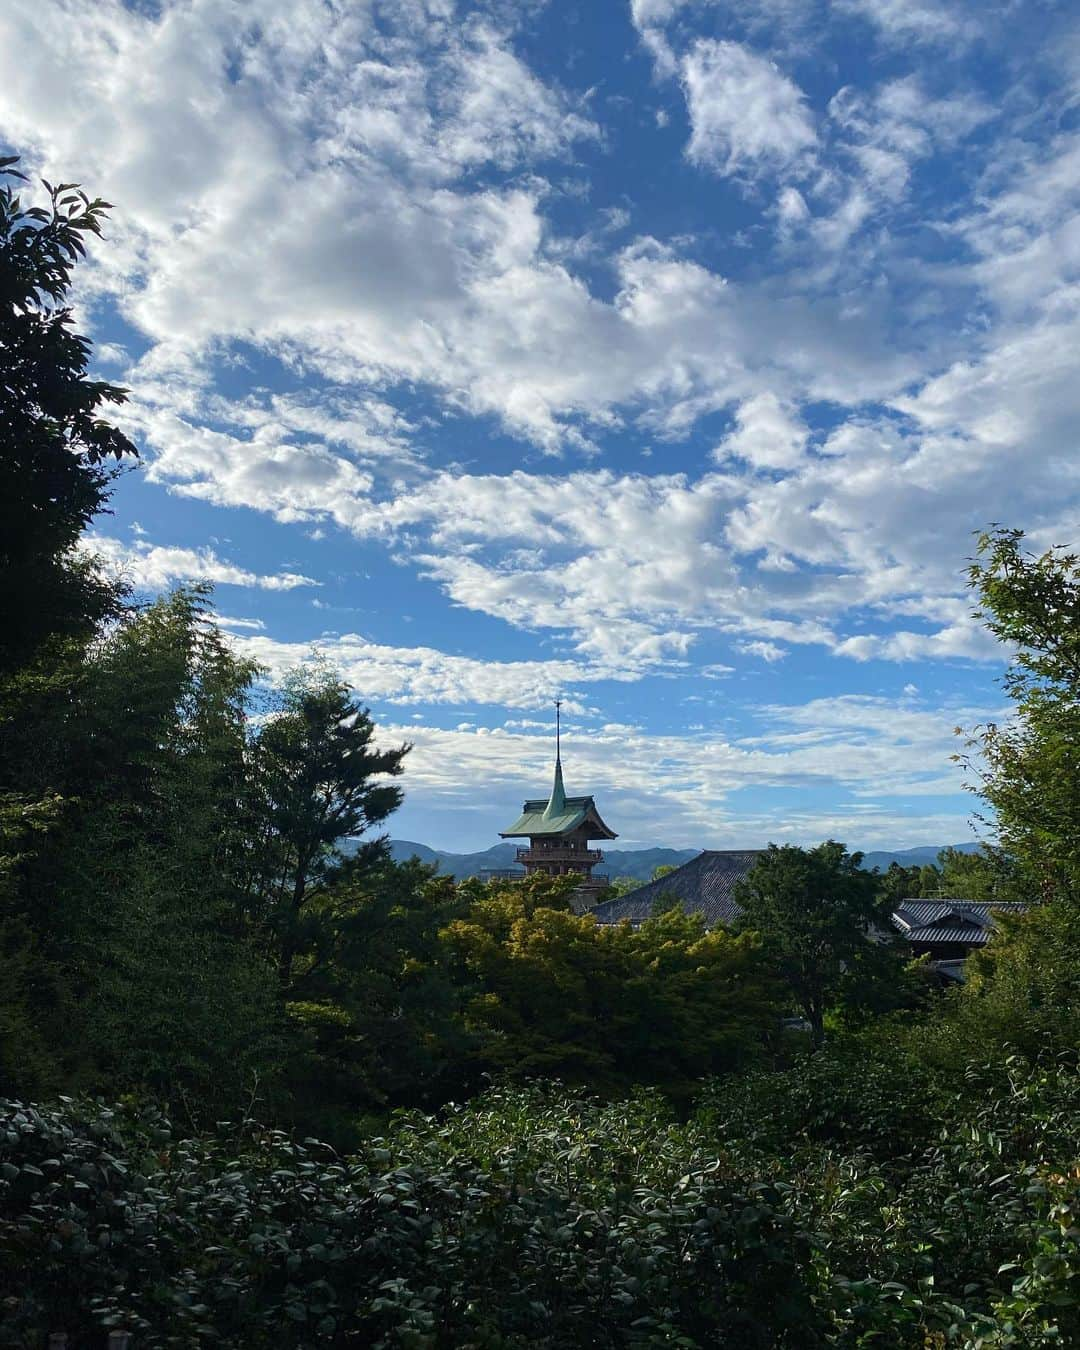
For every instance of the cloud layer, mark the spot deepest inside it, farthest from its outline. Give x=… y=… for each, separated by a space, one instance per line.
x=694 y=348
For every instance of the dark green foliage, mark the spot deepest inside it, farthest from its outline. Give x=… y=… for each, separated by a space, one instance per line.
x=1029 y=770
x=54 y=445
x=942 y=1192
x=872 y=1091
x=1023 y=989
x=135 y=891
x=319 y=783
x=541 y=1218
x=375 y=1013
x=439 y=1236
x=815 y=910
x=986 y=875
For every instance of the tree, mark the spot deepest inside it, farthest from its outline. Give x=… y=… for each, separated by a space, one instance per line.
x=988 y=874
x=1024 y=989
x=622 y=885
x=134 y=890
x=549 y=992
x=817 y=912
x=54 y=445
x=899 y=883
x=1028 y=770
x=319 y=784
x=373 y=1014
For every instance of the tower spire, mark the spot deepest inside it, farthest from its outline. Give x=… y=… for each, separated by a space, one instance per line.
x=557 y=801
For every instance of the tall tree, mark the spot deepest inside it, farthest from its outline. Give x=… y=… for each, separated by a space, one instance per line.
x=138 y=892
x=1028 y=769
x=321 y=785
x=817 y=911
x=373 y=1012
x=55 y=447
x=1024 y=990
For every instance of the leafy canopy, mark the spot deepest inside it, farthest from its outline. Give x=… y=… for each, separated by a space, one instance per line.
x=54 y=443
x=816 y=910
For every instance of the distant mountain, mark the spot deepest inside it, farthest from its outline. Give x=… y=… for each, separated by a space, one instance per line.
x=457 y=865
x=914 y=857
x=639 y=863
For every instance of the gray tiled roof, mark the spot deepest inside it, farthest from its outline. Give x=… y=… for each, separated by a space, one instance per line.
x=704 y=886
x=965 y=921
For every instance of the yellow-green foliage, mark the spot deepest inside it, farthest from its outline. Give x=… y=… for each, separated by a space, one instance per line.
x=557 y=993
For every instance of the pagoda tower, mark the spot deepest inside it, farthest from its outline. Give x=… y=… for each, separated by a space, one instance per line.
x=559 y=827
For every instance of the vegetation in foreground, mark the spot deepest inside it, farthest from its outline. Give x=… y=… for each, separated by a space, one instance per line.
x=187 y=928
x=853 y=1199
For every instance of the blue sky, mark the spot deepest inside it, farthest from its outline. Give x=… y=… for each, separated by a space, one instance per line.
x=662 y=356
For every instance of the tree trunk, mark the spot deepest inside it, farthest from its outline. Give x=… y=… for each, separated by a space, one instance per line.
x=288 y=938
x=816 y=1017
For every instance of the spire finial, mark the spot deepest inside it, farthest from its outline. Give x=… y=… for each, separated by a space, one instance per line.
x=557 y=802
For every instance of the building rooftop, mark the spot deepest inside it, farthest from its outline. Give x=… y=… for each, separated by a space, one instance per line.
x=966 y=921
x=558 y=814
x=704 y=886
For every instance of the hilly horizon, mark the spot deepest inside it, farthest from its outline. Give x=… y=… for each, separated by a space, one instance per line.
x=637 y=863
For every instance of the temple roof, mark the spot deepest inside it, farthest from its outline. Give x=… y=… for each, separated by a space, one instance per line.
x=970 y=922
x=558 y=814
x=538 y=819
x=704 y=886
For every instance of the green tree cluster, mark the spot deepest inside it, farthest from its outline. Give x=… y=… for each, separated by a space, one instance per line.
x=823 y=927
x=549 y=992
x=55 y=448
x=849 y=1201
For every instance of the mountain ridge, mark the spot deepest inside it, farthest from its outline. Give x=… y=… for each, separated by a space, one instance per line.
x=638 y=863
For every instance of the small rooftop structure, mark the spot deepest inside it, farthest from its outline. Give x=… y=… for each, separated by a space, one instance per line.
x=949 y=928
x=704 y=886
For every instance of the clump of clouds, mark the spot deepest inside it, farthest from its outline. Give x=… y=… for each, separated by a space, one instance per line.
x=156 y=567
x=745 y=113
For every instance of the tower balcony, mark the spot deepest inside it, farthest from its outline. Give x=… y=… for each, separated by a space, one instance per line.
x=566 y=855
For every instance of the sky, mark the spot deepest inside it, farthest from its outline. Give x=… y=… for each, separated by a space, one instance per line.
x=663 y=356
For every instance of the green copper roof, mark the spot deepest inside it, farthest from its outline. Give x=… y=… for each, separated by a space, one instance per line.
x=556 y=807
x=559 y=814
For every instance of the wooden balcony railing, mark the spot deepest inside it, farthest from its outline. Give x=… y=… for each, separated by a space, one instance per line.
x=556 y=854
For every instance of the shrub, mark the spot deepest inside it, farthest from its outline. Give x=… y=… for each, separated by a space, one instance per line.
x=546 y=1218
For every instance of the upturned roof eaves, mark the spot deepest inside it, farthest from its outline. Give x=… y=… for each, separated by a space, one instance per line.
x=535 y=822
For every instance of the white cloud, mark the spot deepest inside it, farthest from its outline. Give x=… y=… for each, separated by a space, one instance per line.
x=767 y=435
x=227 y=621
x=382 y=260
x=405 y=675
x=902 y=21
x=767 y=651
x=745 y=114
x=156 y=567
x=683 y=789
x=356 y=196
